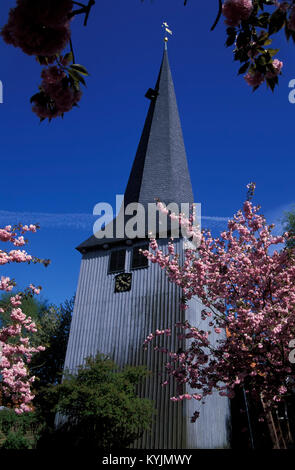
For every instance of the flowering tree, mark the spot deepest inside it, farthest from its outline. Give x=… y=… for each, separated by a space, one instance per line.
x=41 y=28
x=247 y=289
x=15 y=349
x=250 y=29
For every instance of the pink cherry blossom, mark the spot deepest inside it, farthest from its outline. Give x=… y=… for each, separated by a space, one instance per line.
x=57 y=95
x=41 y=29
x=15 y=349
x=52 y=74
x=254 y=79
x=236 y=10
x=277 y=65
x=248 y=291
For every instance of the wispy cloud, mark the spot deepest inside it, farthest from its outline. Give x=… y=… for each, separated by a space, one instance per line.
x=48 y=220
x=74 y=220
x=214 y=222
x=215 y=218
x=82 y=221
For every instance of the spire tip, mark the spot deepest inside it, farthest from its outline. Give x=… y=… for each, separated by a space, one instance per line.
x=168 y=30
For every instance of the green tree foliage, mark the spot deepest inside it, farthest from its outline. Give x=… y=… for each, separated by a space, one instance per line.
x=101 y=404
x=53 y=324
x=17 y=431
x=54 y=329
x=16 y=441
x=289 y=226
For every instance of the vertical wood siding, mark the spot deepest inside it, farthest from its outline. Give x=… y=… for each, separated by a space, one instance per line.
x=118 y=323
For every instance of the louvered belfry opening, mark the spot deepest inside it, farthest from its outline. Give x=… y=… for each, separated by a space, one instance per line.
x=138 y=259
x=117 y=261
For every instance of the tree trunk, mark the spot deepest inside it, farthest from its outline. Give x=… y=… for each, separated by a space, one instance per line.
x=274 y=426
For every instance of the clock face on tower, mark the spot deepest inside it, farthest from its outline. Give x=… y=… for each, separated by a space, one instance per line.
x=123 y=282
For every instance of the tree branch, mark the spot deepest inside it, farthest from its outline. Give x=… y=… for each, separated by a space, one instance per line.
x=218 y=15
x=84 y=9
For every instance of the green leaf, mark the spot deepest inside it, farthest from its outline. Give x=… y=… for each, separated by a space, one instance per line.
x=261 y=60
x=68 y=57
x=230 y=31
x=243 y=39
x=244 y=68
x=230 y=40
x=241 y=55
x=263 y=37
x=287 y=33
x=262 y=20
x=268 y=59
x=76 y=76
x=80 y=68
x=264 y=15
x=277 y=21
x=271 y=83
x=34 y=97
x=267 y=42
x=273 y=52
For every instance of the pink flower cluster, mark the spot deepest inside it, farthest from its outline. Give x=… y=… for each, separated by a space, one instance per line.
x=57 y=95
x=39 y=27
x=52 y=75
x=255 y=79
x=15 y=349
x=247 y=289
x=277 y=65
x=236 y=10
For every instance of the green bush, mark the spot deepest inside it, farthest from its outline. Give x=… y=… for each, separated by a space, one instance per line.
x=102 y=407
x=13 y=427
x=16 y=441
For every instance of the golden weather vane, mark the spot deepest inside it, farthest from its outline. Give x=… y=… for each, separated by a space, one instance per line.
x=168 y=30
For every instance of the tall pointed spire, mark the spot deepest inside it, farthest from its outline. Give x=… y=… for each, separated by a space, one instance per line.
x=160 y=167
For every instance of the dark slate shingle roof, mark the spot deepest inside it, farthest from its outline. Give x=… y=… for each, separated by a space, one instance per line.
x=160 y=166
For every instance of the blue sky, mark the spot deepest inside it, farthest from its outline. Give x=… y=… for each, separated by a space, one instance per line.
x=55 y=173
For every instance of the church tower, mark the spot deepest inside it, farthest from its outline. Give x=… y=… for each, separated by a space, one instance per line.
x=122 y=297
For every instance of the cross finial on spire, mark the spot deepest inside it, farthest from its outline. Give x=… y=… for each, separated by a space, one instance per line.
x=168 y=30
